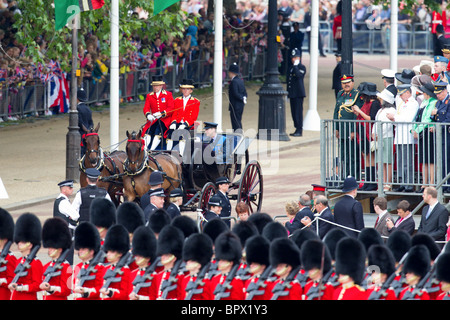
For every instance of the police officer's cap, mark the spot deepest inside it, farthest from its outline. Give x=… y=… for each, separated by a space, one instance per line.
x=156 y=178
x=92 y=173
x=296 y=53
x=177 y=192
x=222 y=180
x=215 y=200
x=81 y=95
x=234 y=68
x=349 y=184
x=66 y=183
x=158 y=192
x=209 y=125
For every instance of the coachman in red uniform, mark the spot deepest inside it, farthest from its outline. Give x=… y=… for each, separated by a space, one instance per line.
x=88 y=274
x=56 y=237
x=158 y=109
x=185 y=113
x=350 y=267
x=144 y=252
x=29 y=270
x=197 y=253
x=8 y=261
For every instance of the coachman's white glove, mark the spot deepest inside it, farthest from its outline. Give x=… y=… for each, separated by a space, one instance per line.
x=150 y=117
x=173 y=126
x=157 y=115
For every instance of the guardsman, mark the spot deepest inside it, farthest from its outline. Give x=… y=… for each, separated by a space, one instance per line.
x=346 y=131
x=8 y=261
x=443 y=275
x=197 y=254
x=185 y=113
x=144 y=252
x=57 y=238
x=88 y=274
x=316 y=261
x=350 y=268
x=399 y=243
x=379 y=288
x=228 y=252
x=259 y=286
x=158 y=220
x=158 y=112
x=417 y=265
x=29 y=269
x=223 y=185
x=83 y=199
x=285 y=259
x=167 y=283
x=103 y=216
x=296 y=91
x=117 y=283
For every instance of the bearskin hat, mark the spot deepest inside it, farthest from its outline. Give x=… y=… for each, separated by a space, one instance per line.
x=380 y=255
x=144 y=243
x=228 y=247
x=301 y=235
x=428 y=241
x=351 y=258
x=158 y=220
x=170 y=241
x=418 y=261
x=198 y=247
x=283 y=250
x=315 y=254
x=102 y=213
x=86 y=236
x=369 y=237
x=186 y=224
x=257 y=249
x=28 y=229
x=130 y=215
x=244 y=230
x=117 y=239
x=56 y=234
x=213 y=228
x=399 y=242
x=260 y=219
x=332 y=238
x=6 y=225
x=443 y=267
x=274 y=230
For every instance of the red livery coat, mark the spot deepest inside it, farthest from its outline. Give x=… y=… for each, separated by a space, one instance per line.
x=188 y=114
x=163 y=104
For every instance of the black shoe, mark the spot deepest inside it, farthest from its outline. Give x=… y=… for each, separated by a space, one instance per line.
x=409 y=190
x=322 y=55
x=296 y=134
x=399 y=189
x=372 y=187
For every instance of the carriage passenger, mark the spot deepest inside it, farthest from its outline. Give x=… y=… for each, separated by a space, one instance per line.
x=215 y=144
x=158 y=111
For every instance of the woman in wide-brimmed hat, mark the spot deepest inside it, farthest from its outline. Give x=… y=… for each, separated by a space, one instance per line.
x=425 y=133
x=386 y=136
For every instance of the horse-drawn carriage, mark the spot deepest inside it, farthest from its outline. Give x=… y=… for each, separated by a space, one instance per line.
x=125 y=174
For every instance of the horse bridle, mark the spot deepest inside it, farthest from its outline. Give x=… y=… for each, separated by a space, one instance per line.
x=142 y=165
x=100 y=155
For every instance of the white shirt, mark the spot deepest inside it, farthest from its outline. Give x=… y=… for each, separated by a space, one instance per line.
x=406 y=112
x=387 y=127
x=66 y=208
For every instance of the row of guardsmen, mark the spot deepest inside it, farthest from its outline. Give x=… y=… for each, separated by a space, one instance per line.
x=252 y=260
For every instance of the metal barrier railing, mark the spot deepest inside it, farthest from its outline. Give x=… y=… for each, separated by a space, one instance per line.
x=395 y=159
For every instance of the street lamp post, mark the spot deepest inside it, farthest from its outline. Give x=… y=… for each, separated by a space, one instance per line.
x=272 y=96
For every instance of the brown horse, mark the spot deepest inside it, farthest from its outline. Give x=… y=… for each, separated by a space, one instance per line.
x=140 y=164
x=110 y=165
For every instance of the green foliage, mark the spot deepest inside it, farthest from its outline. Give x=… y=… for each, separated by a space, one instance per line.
x=38 y=21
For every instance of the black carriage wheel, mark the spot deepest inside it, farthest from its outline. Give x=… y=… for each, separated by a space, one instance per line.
x=208 y=191
x=251 y=186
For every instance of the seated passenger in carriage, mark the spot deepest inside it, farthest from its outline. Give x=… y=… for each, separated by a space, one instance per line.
x=214 y=143
x=185 y=113
x=158 y=111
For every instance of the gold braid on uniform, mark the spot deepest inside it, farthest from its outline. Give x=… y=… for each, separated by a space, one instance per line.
x=347 y=106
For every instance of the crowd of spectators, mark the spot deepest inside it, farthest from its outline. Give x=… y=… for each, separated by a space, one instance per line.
x=244 y=34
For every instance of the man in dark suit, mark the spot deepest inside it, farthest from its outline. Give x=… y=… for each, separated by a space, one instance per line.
x=296 y=91
x=337 y=71
x=434 y=216
x=348 y=211
x=380 y=207
x=237 y=96
x=405 y=220
x=324 y=212
x=157 y=198
x=223 y=185
x=304 y=204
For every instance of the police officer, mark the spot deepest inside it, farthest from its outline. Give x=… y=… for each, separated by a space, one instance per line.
x=223 y=184
x=215 y=207
x=296 y=91
x=238 y=97
x=62 y=207
x=155 y=181
x=84 y=116
x=84 y=196
x=346 y=131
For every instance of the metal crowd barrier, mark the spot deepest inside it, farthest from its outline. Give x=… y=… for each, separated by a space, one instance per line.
x=418 y=162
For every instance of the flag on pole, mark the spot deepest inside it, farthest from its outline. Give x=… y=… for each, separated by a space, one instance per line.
x=160 y=5
x=65 y=10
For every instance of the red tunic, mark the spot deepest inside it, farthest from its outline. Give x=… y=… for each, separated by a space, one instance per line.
x=444 y=295
x=295 y=290
x=353 y=292
x=95 y=283
x=422 y=295
x=237 y=287
x=389 y=293
x=33 y=279
x=267 y=289
x=327 y=292
x=187 y=114
x=158 y=280
x=206 y=294
x=62 y=281
x=8 y=274
x=121 y=289
x=143 y=291
x=163 y=104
